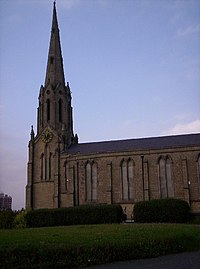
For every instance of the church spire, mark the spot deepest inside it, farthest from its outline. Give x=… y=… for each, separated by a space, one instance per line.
x=55 y=70
x=55 y=109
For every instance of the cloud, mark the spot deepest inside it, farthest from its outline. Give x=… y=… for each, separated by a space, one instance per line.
x=185 y=128
x=189 y=30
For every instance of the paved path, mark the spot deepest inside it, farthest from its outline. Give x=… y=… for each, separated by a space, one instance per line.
x=189 y=260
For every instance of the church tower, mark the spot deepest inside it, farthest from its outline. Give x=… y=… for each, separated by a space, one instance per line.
x=54 y=129
x=55 y=109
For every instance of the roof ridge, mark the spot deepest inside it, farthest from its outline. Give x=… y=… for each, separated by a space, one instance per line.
x=140 y=138
x=151 y=143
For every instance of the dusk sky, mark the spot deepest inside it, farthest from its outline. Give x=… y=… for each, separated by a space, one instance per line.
x=133 y=67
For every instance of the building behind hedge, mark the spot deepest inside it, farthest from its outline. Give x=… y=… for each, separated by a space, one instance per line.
x=5 y=201
x=65 y=173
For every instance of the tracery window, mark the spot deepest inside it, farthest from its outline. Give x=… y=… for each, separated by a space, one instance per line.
x=165 y=177
x=91 y=181
x=127 y=178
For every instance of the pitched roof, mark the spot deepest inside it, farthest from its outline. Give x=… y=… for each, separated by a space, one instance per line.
x=163 y=142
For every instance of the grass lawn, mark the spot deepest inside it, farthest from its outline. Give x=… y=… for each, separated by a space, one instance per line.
x=79 y=246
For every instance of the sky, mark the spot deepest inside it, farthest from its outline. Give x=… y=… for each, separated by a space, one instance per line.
x=133 y=68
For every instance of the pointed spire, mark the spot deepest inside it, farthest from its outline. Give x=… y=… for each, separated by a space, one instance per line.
x=55 y=70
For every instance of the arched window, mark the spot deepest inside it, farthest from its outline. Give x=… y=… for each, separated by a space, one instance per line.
x=48 y=109
x=94 y=182
x=45 y=164
x=91 y=181
x=170 y=184
x=198 y=171
x=127 y=177
x=124 y=180
x=165 y=177
x=60 y=110
x=162 y=177
x=131 y=179
x=50 y=162
x=88 y=181
x=66 y=167
x=42 y=167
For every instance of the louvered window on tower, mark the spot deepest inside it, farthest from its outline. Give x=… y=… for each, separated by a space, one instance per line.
x=51 y=59
x=48 y=109
x=60 y=110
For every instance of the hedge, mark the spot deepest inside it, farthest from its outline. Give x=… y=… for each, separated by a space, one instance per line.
x=89 y=214
x=82 y=246
x=162 y=210
x=7 y=219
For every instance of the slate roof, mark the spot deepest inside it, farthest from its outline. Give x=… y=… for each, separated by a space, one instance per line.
x=163 y=142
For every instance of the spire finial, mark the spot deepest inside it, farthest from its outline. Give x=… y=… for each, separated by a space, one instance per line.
x=54 y=4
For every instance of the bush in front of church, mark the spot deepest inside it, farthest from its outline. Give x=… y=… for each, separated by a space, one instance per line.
x=7 y=219
x=162 y=210
x=87 y=214
x=20 y=220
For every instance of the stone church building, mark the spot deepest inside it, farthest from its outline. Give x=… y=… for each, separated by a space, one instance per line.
x=65 y=173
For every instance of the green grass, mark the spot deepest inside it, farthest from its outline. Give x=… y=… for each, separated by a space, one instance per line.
x=79 y=246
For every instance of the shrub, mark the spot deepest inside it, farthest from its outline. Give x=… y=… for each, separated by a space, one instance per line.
x=162 y=210
x=6 y=219
x=20 y=220
x=89 y=214
x=195 y=218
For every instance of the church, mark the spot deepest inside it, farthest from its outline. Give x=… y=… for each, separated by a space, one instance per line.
x=65 y=173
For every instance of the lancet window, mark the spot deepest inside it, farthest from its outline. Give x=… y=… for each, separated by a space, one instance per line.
x=67 y=179
x=165 y=177
x=45 y=164
x=91 y=181
x=127 y=178
x=198 y=171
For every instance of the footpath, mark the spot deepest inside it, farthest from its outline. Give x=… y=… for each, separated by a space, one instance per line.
x=188 y=260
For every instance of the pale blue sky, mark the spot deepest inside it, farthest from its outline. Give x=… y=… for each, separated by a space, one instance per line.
x=133 y=67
